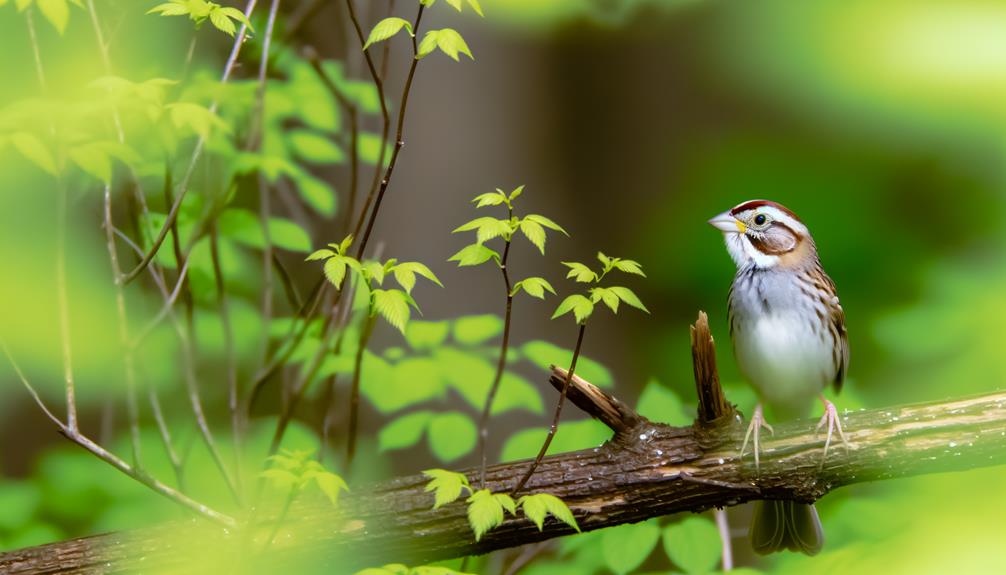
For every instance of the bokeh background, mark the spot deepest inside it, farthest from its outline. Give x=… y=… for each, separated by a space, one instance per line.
x=631 y=122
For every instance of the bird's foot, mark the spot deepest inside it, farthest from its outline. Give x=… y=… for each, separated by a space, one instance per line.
x=834 y=423
x=754 y=433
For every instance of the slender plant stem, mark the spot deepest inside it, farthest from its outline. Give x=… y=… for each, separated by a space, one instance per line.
x=555 y=418
x=500 y=368
x=165 y=433
x=232 y=367
x=399 y=142
x=63 y=306
x=29 y=15
x=196 y=154
x=292 y=296
x=114 y=461
x=723 y=526
x=354 y=394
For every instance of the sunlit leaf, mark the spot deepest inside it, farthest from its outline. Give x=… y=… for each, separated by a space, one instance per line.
x=581 y=307
x=626 y=295
x=538 y=505
x=31 y=147
x=485 y=510
x=56 y=12
x=426 y=334
x=534 y=234
x=404 y=431
x=473 y=255
x=386 y=29
x=580 y=272
x=475 y=329
x=393 y=306
x=542 y=220
x=451 y=435
x=626 y=547
x=446 y=485
x=534 y=286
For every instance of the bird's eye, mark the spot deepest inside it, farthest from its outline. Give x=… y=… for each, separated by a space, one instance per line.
x=760 y=220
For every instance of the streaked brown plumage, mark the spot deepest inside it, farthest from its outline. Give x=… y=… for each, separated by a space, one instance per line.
x=790 y=341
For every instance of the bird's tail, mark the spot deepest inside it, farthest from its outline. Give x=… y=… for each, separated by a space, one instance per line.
x=779 y=525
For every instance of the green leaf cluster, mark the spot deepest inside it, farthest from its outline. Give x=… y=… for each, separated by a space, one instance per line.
x=295 y=470
x=199 y=11
x=582 y=306
x=485 y=509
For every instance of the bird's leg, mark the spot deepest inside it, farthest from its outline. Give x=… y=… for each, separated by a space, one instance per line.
x=834 y=423
x=754 y=432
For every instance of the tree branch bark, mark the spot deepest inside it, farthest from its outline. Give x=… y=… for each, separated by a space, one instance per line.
x=646 y=470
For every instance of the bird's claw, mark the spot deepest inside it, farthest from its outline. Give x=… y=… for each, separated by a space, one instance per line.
x=754 y=432
x=834 y=423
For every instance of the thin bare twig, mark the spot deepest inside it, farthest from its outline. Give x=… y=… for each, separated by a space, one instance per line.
x=196 y=154
x=555 y=418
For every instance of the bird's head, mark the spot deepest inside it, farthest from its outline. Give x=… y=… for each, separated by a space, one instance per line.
x=765 y=234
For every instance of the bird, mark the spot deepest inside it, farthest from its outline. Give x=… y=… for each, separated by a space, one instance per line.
x=790 y=342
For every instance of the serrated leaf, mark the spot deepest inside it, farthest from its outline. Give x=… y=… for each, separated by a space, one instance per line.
x=605 y=260
x=221 y=22
x=537 y=506
x=534 y=286
x=405 y=274
x=345 y=243
x=485 y=511
x=580 y=272
x=607 y=296
x=581 y=307
x=474 y=255
x=534 y=234
x=446 y=485
x=335 y=270
x=542 y=220
x=386 y=29
x=486 y=228
x=235 y=14
x=626 y=295
x=170 y=9
x=374 y=271
x=629 y=266
x=456 y=4
x=404 y=431
x=489 y=199
x=451 y=43
x=428 y=44
x=393 y=306
x=32 y=148
x=516 y=193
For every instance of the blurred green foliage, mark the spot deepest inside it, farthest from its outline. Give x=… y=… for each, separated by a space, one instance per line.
x=881 y=124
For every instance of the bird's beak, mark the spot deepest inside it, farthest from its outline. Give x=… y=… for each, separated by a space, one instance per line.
x=728 y=224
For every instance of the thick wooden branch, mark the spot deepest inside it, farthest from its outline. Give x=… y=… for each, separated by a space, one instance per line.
x=646 y=470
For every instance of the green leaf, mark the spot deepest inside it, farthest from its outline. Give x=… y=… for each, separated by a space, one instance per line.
x=580 y=272
x=56 y=12
x=487 y=228
x=197 y=118
x=427 y=45
x=329 y=483
x=405 y=274
x=424 y=335
x=221 y=22
x=475 y=329
x=335 y=270
x=534 y=286
x=542 y=220
x=485 y=510
x=452 y=435
x=659 y=403
x=581 y=307
x=374 y=271
x=626 y=295
x=245 y=227
x=393 y=306
x=473 y=3
x=489 y=199
x=386 y=29
x=316 y=193
x=320 y=255
x=629 y=266
x=610 y=299
x=534 y=234
x=626 y=547
x=515 y=392
x=235 y=14
x=473 y=255
x=32 y=148
x=315 y=148
x=446 y=485
x=280 y=478
x=176 y=8
x=403 y=432
x=93 y=161
x=515 y=193
x=369 y=145
x=693 y=545
x=538 y=505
